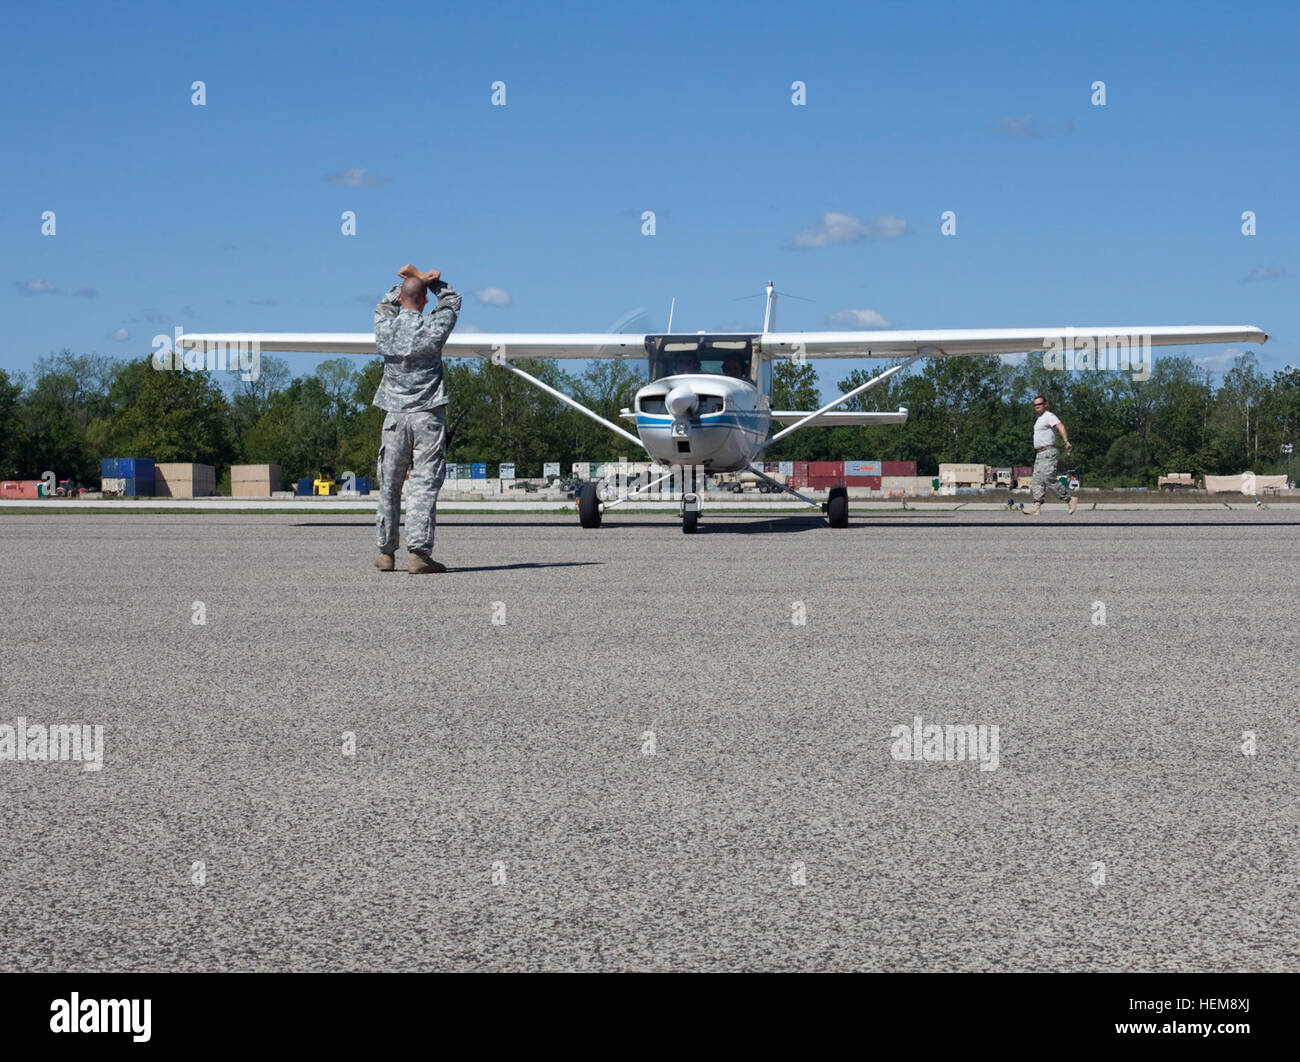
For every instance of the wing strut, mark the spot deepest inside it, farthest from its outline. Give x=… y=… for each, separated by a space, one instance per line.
x=500 y=359
x=879 y=378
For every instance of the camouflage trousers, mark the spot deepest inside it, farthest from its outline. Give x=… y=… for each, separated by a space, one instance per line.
x=1045 y=476
x=416 y=441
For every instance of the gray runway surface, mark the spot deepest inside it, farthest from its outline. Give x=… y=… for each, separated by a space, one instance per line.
x=501 y=811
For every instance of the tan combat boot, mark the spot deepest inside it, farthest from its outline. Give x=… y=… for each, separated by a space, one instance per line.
x=423 y=564
x=1033 y=510
x=1074 y=504
x=384 y=562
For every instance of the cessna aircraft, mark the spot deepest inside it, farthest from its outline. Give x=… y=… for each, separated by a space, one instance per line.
x=708 y=404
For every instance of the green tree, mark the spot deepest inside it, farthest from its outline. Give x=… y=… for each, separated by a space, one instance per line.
x=178 y=415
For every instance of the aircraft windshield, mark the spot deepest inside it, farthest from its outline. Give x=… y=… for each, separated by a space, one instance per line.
x=735 y=364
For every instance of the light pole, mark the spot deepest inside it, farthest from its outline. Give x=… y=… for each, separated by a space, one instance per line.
x=1286 y=449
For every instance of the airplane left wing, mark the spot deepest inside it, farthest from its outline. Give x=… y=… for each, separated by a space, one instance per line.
x=950 y=342
x=459 y=344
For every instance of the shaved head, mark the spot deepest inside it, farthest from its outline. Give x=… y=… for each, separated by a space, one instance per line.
x=413 y=291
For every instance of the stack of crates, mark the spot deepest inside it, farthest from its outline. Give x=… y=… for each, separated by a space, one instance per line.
x=184 y=481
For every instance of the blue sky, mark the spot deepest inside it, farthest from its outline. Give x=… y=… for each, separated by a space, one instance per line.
x=227 y=216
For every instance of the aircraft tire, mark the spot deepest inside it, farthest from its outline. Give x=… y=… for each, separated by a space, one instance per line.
x=588 y=505
x=837 y=507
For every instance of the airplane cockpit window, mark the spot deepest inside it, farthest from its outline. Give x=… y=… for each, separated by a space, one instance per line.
x=711 y=362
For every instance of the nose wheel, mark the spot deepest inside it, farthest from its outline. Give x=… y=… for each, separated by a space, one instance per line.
x=690 y=513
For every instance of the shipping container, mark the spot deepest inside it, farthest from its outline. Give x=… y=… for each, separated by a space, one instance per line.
x=108 y=468
x=478 y=470
x=963 y=475
x=365 y=484
x=863 y=481
x=771 y=467
x=304 y=487
x=139 y=468
x=20 y=488
x=898 y=468
x=183 y=480
x=800 y=468
x=862 y=468
x=825 y=468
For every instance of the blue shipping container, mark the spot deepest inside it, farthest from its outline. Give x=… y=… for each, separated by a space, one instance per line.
x=135 y=467
x=365 y=484
x=137 y=488
x=862 y=468
x=478 y=471
x=108 y=468
x=304 y=487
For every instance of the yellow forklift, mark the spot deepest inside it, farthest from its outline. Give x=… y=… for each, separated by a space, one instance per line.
x=325 y=484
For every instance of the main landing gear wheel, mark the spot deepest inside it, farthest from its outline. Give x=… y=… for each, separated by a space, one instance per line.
x=837 y=507
x=588 y=505
x=690 y=523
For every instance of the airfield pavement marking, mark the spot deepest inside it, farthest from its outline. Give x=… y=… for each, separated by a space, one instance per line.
x=636 y=749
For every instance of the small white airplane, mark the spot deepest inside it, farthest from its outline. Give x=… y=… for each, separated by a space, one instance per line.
x=707 y=407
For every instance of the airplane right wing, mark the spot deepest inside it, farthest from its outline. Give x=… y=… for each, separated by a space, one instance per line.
x=458 y=345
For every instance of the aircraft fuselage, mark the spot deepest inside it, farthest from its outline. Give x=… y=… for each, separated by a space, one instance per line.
x=704 y=419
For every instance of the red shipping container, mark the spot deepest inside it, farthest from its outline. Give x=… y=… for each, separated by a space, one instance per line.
x=824 y=482
x=898 y=468
x=872 y=482
x=825 y=468
x=801 y=468
x=19 y=488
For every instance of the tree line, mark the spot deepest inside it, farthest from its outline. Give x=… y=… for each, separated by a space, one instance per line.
x=73 y=409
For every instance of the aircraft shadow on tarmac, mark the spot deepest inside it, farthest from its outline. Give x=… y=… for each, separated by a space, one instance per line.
x=730 y=525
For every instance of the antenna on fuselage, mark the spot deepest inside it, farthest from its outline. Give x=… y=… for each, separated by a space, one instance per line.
x=769 y=312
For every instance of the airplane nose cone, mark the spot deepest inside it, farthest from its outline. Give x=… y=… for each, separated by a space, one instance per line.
x=681 y=401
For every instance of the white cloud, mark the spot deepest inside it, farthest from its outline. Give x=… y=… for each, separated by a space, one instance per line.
x=493 y=297
x=1226 y=360
x=1024 y=127
x=36 y=286
x=468 y=328
x=836 y=228
x=859 y=319
x=356 y=177
x=1264 y=273
x=119 y=335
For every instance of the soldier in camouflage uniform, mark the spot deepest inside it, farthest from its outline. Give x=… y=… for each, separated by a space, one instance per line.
x=415 y=430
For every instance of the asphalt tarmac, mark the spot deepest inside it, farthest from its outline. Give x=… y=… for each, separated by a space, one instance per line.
x=621 y=749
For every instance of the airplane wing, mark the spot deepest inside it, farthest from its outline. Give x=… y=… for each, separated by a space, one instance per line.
x=458 y=345
x=949 y=342
x=895 y=344
x=838 y=419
